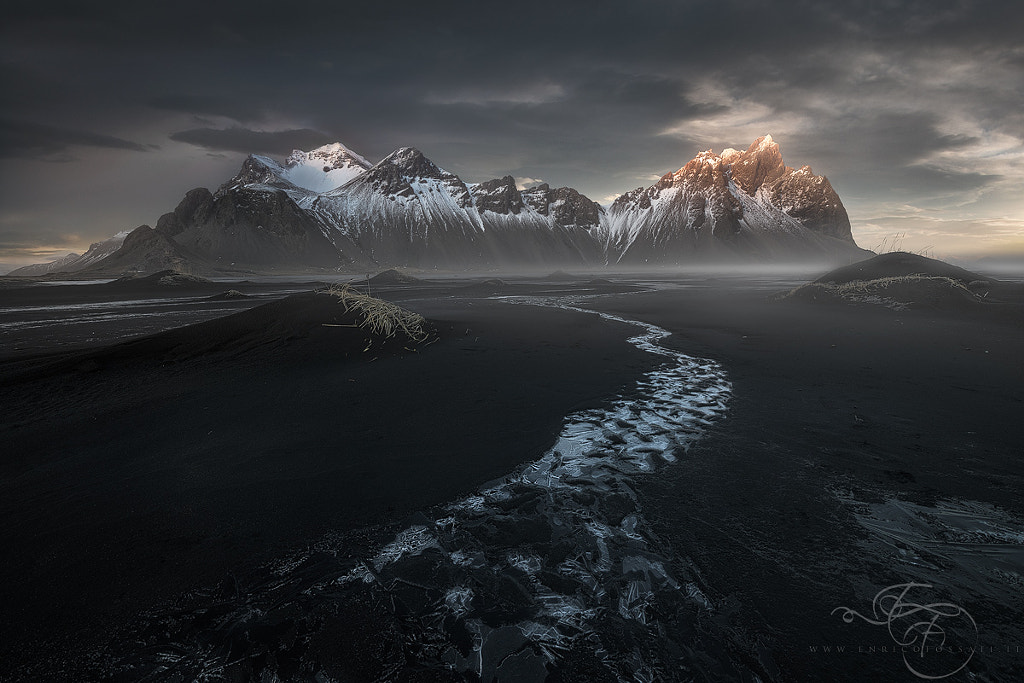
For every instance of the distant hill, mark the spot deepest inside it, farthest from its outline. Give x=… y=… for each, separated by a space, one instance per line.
x=901 y=264
x=907 y=281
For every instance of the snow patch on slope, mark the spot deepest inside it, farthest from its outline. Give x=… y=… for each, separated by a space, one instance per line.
x=324 y=168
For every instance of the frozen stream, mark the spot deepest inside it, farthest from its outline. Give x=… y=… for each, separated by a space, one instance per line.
x=552 y=561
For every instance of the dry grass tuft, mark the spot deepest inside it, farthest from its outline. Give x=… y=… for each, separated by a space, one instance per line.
x=882 y=284
x=896 y=292
x=380 y=318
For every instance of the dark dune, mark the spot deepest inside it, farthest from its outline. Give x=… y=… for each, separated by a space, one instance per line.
x=229 y=295
x=176 y=286
x=560 y=276
x=393 y=277
x=898 y=293
x=162 y=284
x=900 y=281
x=900 y=264
x=322 y=321
x=163 y=278
x=486 y=287
x=139 y=471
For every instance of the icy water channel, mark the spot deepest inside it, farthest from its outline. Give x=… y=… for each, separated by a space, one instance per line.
x=546 y=572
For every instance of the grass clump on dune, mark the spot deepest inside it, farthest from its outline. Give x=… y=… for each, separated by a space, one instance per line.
x=380 y=318
x=897 y=292
x=885 y=284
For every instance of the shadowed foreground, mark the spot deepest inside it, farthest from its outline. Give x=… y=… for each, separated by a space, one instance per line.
x=863 y=447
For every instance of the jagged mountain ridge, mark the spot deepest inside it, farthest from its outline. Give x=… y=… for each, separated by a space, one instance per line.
x=75 y=262
x=737 y=203
x=303 y=175
x=64 y=264
x=407 y=211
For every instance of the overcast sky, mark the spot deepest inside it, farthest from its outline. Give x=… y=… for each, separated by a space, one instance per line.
x=913 y=109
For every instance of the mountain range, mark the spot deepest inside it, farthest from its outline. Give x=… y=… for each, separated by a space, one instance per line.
x=330 y=209
x=74 y=262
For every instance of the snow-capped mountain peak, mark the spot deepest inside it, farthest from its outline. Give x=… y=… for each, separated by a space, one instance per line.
x=407 y=173
x=303 y=175
x=760 y=165
x=707 y=160
x=323 y=168
x=413 y=163
x=742 y=201
x=334 y=155
x=729 y=154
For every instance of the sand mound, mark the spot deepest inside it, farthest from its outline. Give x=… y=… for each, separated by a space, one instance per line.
x=335 y=322
x=228 y=295
x=898 y=281
x=897 y=293
x=393 y=277
x=489 y=286
x=163 y=278
x=900 y=264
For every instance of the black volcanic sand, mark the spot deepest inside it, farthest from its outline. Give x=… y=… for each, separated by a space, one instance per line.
x=900 y=280
x=134 y=473
x=393 y=277
x=163 y=284
x=862 y=448
x=899 y=264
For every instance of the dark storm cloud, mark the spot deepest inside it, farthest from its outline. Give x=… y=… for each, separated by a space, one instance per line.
x=886 y=145
x=32 y=245
x=923 y=178
x=21 y=139
x=246 y=141
x=208 y=105
x=882 y=96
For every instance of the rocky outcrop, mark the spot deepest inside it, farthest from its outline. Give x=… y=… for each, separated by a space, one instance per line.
x=566 y=206
x=256 y=172
x=146 y=250
x=811 y=200
x=247 y=227
x=741 y=205
x=499 y=196
x=760 y=165
x=405 y=172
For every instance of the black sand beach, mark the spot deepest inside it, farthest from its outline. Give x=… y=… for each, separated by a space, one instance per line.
x=862 y=447
x=905 y=419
